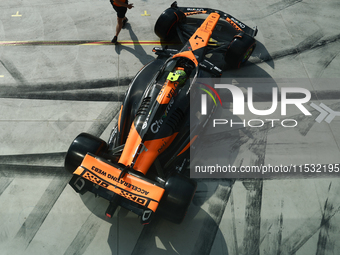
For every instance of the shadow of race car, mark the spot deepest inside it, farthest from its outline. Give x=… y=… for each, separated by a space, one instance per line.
x=144 y=165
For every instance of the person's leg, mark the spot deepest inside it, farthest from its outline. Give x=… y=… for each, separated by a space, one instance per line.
x=121 y=20
x=119 y=25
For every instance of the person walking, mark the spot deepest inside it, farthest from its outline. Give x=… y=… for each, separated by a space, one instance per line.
x=120 y=7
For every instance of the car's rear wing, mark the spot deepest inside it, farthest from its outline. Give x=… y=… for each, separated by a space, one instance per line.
x=124 y=183
x=235 y=23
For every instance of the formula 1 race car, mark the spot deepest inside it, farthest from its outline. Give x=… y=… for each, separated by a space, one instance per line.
x=143 y=166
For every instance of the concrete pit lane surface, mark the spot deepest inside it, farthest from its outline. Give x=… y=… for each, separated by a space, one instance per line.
x=60 y=76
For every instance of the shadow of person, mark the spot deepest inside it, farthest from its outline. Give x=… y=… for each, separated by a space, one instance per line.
x=137 y=50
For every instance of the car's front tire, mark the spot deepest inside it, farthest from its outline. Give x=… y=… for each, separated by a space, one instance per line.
x=165 y=27
x=239 y=50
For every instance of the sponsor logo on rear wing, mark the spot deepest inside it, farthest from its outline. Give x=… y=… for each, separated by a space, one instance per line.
x=131 y=187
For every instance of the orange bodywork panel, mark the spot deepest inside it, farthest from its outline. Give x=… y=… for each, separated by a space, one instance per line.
x=152 y=150
x=202 y=35
x=200 y=38
x=188 y=55
x=130 y=187
x=149 y=150
x=119 y=118
x=131 y=146
x=166 y=92
x=188 y=145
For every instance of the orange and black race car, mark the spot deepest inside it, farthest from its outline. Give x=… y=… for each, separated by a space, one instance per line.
x=143 y=166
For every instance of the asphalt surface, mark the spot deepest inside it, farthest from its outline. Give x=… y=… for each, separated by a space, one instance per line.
x=60 y=76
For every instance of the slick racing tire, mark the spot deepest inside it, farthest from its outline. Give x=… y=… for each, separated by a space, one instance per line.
x=179 y=191
x=239 y=50
x=80 y=146
x=165 y=27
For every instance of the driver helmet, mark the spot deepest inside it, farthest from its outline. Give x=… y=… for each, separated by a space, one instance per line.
x=178 y=75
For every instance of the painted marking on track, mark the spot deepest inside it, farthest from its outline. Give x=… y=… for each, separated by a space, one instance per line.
x=17 y=14
x=127 y=42
x=80 y=42
x=2 y=76
x=145 y=14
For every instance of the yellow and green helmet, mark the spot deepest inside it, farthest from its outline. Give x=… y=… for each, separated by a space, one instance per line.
x=178 y=75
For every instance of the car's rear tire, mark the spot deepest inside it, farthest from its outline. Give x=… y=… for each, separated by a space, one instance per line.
x=81 y=145
x=239 y=50
x=165 y=27
x=179 y=191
